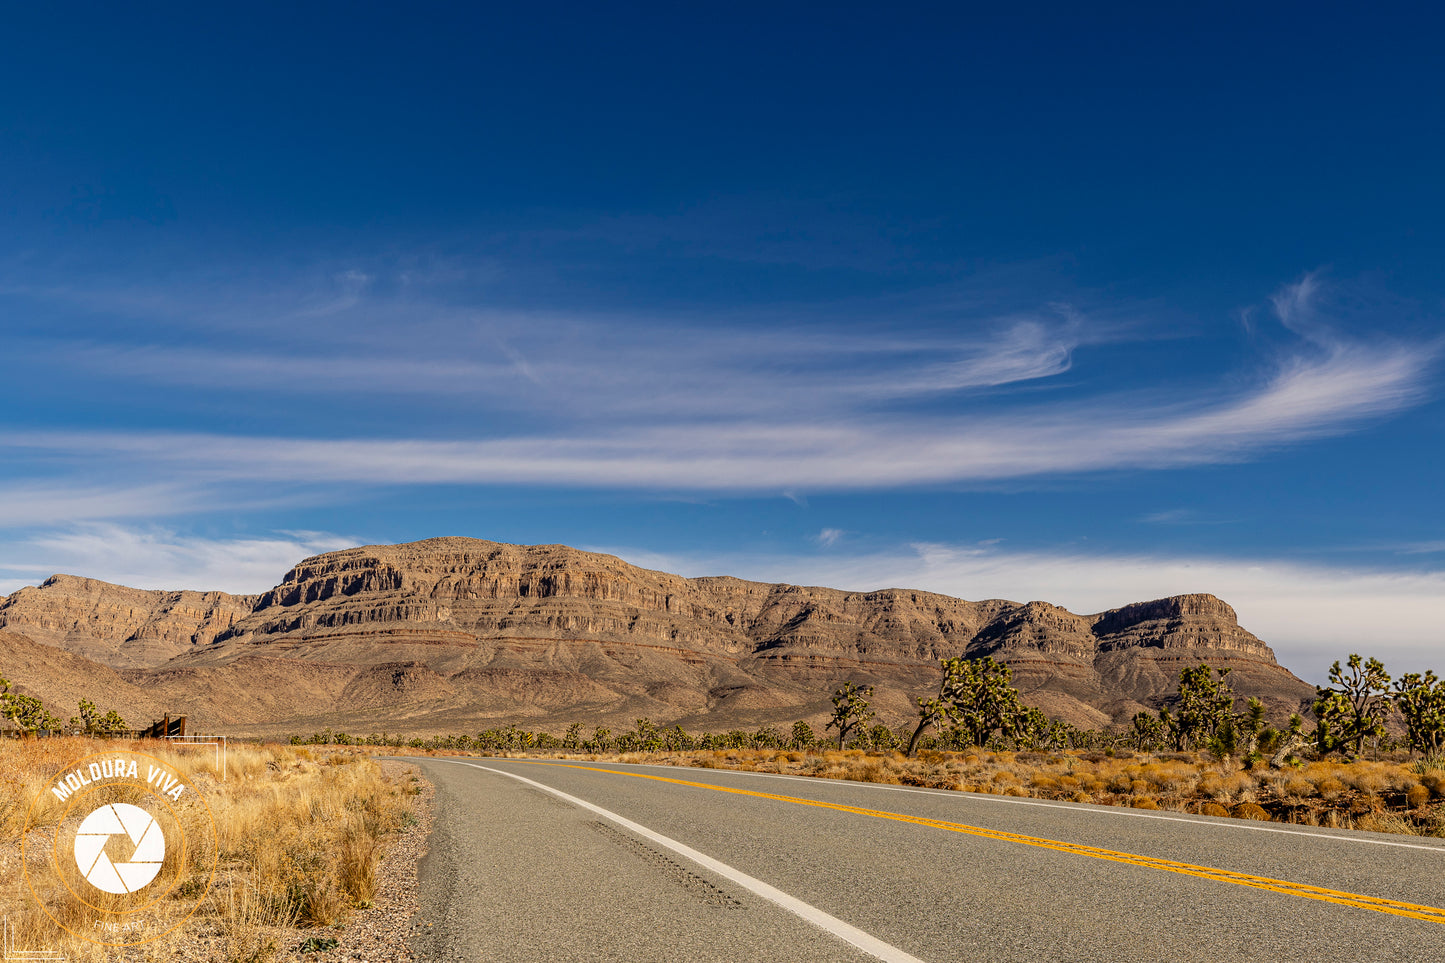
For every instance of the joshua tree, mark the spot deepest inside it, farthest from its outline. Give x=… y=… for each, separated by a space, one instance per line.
x=850 y=709
x=933 y=712
x=1421 y=700
x=1206 y=706
x=1148 y=732
x=1292 y=739
x=1353 y=708
x=573 y=738
x=25 y=712
x=984 y=698
x=94 y=723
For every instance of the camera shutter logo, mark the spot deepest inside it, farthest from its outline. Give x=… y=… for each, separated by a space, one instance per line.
x=144 y=833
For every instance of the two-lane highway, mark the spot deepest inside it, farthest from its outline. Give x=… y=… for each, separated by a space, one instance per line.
x=533 y=860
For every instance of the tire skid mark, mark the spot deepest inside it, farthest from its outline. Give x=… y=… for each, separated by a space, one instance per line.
x=674 y=871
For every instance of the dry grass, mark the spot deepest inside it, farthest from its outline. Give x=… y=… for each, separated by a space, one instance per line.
x=297 y=833
x=1377 y=796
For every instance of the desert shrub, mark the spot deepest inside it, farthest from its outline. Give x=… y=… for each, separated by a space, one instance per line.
x=1366 y=802
x=1374 y=822
x=1212 y=809
x=1417 y=796
x=1330 y=788
x=1364 y=780
x=1249 y=810
x=1144 y=802
x=1435 y=782
x=1044 y=781
x=1169 y=780
x=1297 y=786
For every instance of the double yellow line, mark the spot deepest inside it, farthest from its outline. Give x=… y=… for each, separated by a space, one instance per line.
x=1431 y=914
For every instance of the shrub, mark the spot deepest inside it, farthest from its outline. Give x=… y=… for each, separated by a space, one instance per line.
x=1417 y=796
x=1249 y=810
x=1386 y=823
x=1144 y=802
x=1212 y=809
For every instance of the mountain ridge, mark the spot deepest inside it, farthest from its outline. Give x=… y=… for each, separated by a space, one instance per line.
x=459 y=631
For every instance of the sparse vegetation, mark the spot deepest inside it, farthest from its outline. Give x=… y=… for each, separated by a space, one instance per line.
x=850 y=709
x=1198 y=755
x=1376 y=796
x=298 y=833
x=1353 y=707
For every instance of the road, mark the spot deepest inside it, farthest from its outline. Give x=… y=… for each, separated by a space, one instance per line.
x=548 y=861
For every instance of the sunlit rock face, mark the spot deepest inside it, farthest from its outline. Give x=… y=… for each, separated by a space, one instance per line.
x=455 y=632
x=118 y=626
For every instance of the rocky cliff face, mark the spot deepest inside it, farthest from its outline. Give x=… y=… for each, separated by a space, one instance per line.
x=463 y=629
x=118 y=626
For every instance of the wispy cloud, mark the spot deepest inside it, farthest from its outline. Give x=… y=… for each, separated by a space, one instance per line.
x=158 y=558
x=788 y=409
x=69 y=499
x=1171 y=516
x=593 y=369
x=1307 y=398
x=829 y=537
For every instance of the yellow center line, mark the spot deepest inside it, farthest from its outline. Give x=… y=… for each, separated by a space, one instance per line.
x=1430 y=914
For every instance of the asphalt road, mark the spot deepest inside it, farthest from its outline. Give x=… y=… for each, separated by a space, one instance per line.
x=792 y=869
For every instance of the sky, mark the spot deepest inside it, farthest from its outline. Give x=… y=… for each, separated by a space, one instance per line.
x=1044 y=302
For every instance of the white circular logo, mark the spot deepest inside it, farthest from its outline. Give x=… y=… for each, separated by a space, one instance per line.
x=119 y=819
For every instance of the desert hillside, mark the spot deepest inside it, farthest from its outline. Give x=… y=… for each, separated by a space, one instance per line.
x=460 y=633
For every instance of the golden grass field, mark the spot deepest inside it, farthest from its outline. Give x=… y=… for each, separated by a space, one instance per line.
x=1390 y=797
x=297 y=840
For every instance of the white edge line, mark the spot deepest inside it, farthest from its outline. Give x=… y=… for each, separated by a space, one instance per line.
x=851 y=934
x=1243 y=824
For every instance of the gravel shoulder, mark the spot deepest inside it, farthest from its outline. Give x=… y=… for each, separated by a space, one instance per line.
x=379 y=934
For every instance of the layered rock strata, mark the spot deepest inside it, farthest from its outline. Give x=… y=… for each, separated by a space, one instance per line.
x=459 y=631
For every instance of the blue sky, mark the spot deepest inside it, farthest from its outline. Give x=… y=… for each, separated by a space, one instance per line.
x=1025 y=303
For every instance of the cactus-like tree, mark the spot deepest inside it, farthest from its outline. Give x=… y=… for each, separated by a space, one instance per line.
x=1147 y=733
x=934 y=711
x=1352 y=709
x=95 y=724
x=802 y=737
x=985 y=699
x=25 y=712
x=1421 y=701
x=572 y=739
x=850 y=709
x=1206 y=705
